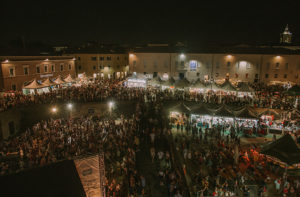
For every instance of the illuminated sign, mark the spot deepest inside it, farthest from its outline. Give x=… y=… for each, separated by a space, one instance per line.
x=193 y=65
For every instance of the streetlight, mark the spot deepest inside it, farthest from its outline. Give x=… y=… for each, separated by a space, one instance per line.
x=110 y=106
x=54 y=109
x=182 y=56
x=70 y=106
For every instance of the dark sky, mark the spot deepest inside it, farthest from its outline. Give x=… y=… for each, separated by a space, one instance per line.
x=197 y=23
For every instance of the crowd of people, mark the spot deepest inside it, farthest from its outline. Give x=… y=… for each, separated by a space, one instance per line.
x=263 y=96
x=218 y=165
x=194 y=162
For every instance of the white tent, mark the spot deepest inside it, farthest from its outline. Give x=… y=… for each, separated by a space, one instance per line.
x=59 y=80
x=69 y=79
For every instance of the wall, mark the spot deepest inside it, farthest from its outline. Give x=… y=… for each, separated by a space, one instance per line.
x=19 y=63
x=85 y=64
x=240 y=67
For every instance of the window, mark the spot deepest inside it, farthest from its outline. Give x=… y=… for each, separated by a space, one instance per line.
x=228 y=64
x=94 y=67
x=285 y=76
x=52 y=68
x=166 y=64
x=101 y=58
x=100 y=67
x=118 y=58
x=287 y=66
x=94 y=58
x=38 y=70
x=193 y=65
x=257 y=65
x=79 y=67
x=108 y=58
x=218 y=65
x=207 y=65
x=108 y=66
x=275 y=75
x=248 y=65
x=176 y=63
x=45 y=68
x=14 y=87
x=125 y=58
x=266 y=76
x=134 y=63
x=217 y=74
x=256 y=76
x=182 y=63
x=61 y=67
x=277 y=65
x=70 y=66
x=296 y=76
x=145 y=64
x=78 y=58
x=118 y=66
x=26 y=70
x=155 y=64
x=268 y=65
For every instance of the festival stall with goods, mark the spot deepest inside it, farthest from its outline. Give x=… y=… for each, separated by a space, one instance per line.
x=179 y=114
x=155 y=82
x=168 y=84
x=136 y=82
x=182 y=84
x=34 y=87
x=246 y=120
x=201 y=116
x=198 y=87
x=244 y=90
x=69 y=80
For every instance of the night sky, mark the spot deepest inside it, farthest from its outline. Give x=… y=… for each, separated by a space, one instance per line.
x=207 y=22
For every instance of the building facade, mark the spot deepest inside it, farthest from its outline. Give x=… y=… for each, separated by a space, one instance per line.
x=17 y=70
x=239 y=67
x=101 y=64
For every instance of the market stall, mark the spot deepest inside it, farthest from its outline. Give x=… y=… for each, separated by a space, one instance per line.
x=222 y=116
x=182 y=84
x=198 y=87
x=168 y=84
x=69 y=80
x=228 y=88
x=59 y=80
x=244 y=90
x=179 y=113
x=34 y=87
x=247 y=120
x=155 y=82
x=201 y=116
x=134 y=82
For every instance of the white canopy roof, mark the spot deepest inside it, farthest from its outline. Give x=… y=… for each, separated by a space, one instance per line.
x=59 y=80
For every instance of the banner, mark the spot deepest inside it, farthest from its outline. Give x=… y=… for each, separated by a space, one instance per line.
x=89 y=173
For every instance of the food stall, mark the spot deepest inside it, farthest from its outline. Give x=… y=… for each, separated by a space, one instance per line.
x=69 y=80
x=34 y=87
x=198 y=87
x=244 y=90
x=179 y=114
x=182 y=84
x=133 y=82
x=168 y=84
x=246 y=119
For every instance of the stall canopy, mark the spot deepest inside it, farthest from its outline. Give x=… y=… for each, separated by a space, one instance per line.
x=244 y=87
x=213 y=86
x=48 y=82
x=34 y=85
x=201 y=110
x=156 y=81
x=59 y=80
x=284 y=149
x=181 y=108
x=182 y=83
x=270 y=112
x=69 y=79
x=198 y=85
x=294 y=91
x=227 y=86
x=169 y=82
x=223 y=112
x=246 y=113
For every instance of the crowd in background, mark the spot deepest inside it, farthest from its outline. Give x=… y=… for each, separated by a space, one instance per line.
x=264 y=96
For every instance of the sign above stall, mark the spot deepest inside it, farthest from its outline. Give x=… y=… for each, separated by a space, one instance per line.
x=46 y=75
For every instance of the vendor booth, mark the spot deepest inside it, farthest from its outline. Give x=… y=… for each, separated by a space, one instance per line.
x=201 y=116
x=133 y=82
x=59 y=80
x=169 y=84
x=69 y=80
x=228 y=88
x=35 y=88
x=244 y=90
x=198 y=87
x=182 y=84
x=155 y=82
x=179 y=114
x=246 y=119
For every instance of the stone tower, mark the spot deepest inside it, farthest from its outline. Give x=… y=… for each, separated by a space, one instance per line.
x=286 y=36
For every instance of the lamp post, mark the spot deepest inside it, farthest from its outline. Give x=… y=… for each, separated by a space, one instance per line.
x=70 y=107
x=110 y=107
